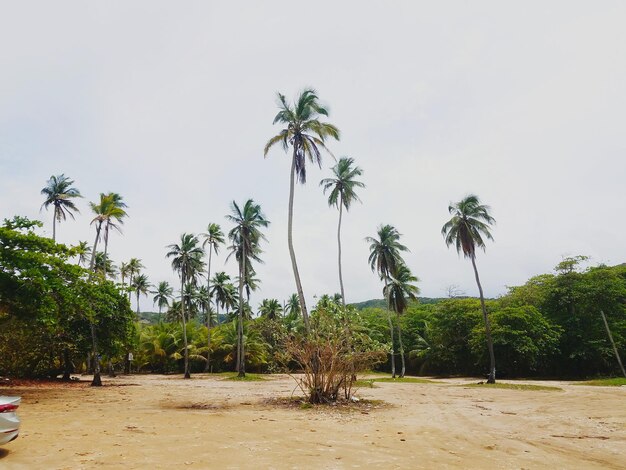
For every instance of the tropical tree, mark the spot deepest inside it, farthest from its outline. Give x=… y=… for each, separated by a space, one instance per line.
x=398 y=291
x=466 y=230
x=245 y=238
x=307 y=135
x=271 y=309
x=141 y=285
x=83 y=251
x=385 y=259
x=134 y=267
x=342 y=194
x=109 y=213
x=224 y=292
x=162 y=295
x=214 y=237
x=104 y=265
x=59 y=194
x=292 y=308
x=187 y=261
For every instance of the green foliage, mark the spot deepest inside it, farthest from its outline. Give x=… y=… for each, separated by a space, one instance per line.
x=523 y=387
x=614 y=382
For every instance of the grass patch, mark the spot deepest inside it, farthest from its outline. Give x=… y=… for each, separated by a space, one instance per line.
x=614 y=382
x=341 y=406
x=247 y=378
x=505 y=386
x=404 y=380
x=365 y=383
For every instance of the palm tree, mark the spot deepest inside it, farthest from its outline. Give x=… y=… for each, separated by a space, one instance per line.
x=397 y=293
x=141 y=285
x=384 y=259
x=107 y=212
x=162 y=296
x=270 y=308
x=82 y=250
x=187 y=261
x=214 y=238
x=104 y=265
x=134 y=267
x=471 y=222
x=342 y=194
x=306 y=134
x=59 y=193
x=245 y=238
x=293 y=306
x=223 y=291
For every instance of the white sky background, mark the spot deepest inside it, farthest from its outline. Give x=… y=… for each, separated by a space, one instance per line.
x=170 y=105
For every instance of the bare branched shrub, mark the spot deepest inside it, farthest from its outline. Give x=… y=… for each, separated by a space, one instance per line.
x=336 y=349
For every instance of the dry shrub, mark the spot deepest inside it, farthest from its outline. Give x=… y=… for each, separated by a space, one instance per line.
x=336 y=349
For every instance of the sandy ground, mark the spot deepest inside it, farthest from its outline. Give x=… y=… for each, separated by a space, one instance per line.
x=208 y=422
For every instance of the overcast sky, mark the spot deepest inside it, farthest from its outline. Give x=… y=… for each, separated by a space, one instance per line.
x=170 y=105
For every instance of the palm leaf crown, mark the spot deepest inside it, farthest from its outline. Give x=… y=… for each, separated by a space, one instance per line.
x=342 y=186
x=385 y=251
x=187 y=257
x=469 y=225
x=59 y=192
x=304 y=131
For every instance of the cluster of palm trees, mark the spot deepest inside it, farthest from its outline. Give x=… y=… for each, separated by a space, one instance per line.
x=304 y=136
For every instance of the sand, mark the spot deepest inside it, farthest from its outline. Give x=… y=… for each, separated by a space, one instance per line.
x=149 y=421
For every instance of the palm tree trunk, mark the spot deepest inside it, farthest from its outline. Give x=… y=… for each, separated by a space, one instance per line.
x=292 y=254
x=182 y=307
x=95 y=247
x=137 y=294
x=608 y=331
x=97 y=380
x=106 y=249
x=207 y=366
x=403 y=370
x=393 y=354
x=343 y=295
x=492 y=358
x=241 y=362
x=54 y=224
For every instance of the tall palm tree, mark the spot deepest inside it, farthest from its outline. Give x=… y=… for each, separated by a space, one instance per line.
x=399 y=290
x=271 y=309
x=83 y=251
x=214 y=237
x=162 y=295
x=245 y=239
x=223 y=291
x=187 y=261
x=307 y=135
x=59 y=194
x=292 y=308
x=384 y=259
x=466 y=230
x=141 y=285
x=109 y=212
x=342 y=194
x=104 y=265
x=115 y=218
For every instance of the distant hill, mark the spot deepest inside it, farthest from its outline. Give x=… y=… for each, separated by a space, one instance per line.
x=382 y=303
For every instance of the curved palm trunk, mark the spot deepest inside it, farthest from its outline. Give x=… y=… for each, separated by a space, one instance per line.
x=393 y=352
x=182 y=307
x=241 y=362
x=292 y=253
x=137 y=295
x=97 y=380
x=608 y=331
x=403 y=364
x=54 y=224
x=343 y=295
x=492 y=358
x=106 y=249
x=207 y=366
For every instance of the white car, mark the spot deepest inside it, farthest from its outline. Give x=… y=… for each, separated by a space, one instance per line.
x=9 y=422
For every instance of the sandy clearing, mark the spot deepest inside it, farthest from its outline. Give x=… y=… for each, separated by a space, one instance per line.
x=163 y=421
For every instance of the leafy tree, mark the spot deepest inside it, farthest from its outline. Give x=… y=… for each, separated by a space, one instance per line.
x=214 y=237
x=398 y=291
x=187 y=262
x=245 y=238
x=385 y=259
x=342 y=194
x=162 y=296
x=471 y=222
x=59 y=194
x=307 y=135
x=270 y=308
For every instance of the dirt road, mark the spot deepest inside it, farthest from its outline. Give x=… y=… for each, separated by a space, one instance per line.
x=211 y=423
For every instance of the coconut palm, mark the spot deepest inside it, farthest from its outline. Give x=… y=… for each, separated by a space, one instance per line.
x=134 y=267
x=162 y=296
x=109 y=213
x=342 y=194
x=466 y=230
x=141 y=285
x=245 y=238
x=271 y=309
x=83 y=251
x=399 y=290
x=59 y=194
x=187 y=262
x=385 y=259
x=307 y=135
x=223 y=291
x=293 y=306
x=214 y=237
x=104 y=266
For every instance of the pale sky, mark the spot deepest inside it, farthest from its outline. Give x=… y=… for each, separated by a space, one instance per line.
x=170 y=105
